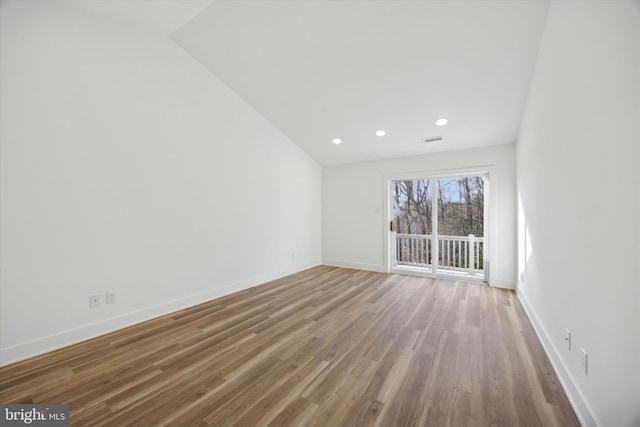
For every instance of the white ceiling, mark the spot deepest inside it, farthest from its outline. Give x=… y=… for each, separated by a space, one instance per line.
x=164 y=16
x=320 y=70
x=324 y=69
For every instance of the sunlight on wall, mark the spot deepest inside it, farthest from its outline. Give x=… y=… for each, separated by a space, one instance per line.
x=524 y=242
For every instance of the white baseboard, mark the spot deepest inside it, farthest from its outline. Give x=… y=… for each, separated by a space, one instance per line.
x=579 y=404
x=502 y=283
x=62 y=339
x=355 y=265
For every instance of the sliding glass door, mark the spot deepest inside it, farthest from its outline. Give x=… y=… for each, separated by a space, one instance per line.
x=438 y=226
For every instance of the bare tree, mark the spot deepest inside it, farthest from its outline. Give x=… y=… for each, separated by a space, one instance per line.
x=460 y=206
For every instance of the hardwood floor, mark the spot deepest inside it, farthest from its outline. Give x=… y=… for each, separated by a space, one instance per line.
x=324 y=347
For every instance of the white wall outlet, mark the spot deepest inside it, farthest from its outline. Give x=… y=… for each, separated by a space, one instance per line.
x=585 y=361
x=94 y=301
x=112 y=297
x=567 y=338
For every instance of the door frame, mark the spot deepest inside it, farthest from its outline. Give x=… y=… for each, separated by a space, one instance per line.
x=389 y=253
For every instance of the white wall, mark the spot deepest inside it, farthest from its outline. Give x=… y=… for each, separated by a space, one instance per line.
x=127 y=165
x=578 y=184
x=353 y=221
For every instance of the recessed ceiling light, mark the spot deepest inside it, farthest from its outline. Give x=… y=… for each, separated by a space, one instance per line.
x=336 y=141
x=441 y=122
x=380 y=133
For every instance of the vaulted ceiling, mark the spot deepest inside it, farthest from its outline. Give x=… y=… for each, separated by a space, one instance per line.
x=320 y=70
x=163 y=16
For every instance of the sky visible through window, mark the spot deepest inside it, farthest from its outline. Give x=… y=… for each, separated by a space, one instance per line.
x=460 y=206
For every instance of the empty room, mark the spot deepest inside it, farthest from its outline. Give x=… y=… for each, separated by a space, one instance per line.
x=320 y=213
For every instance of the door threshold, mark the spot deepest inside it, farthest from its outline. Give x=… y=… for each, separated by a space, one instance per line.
x=425 y=272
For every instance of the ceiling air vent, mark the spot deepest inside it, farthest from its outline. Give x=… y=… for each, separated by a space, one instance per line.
x=432 y=139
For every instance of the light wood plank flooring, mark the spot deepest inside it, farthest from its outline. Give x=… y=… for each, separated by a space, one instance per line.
x=324 y=347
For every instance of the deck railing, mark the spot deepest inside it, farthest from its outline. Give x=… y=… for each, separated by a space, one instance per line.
x=456 y=253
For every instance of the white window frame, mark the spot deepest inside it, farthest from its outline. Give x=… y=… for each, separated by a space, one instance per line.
x=389 y=255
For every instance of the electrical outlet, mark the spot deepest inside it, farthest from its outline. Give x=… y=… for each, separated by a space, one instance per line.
x=94 y=301
x=111 y=297
x=567 y=338
x=585 y=361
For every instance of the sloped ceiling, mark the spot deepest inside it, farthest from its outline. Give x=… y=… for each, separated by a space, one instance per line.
x=325 y=69
x=164 y=16
x=320 y=70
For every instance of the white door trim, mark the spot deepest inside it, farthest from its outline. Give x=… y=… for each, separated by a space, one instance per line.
x=485 y=171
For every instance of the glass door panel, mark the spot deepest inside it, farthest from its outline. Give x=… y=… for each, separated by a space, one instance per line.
x=460 y=225
x=412 y=223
